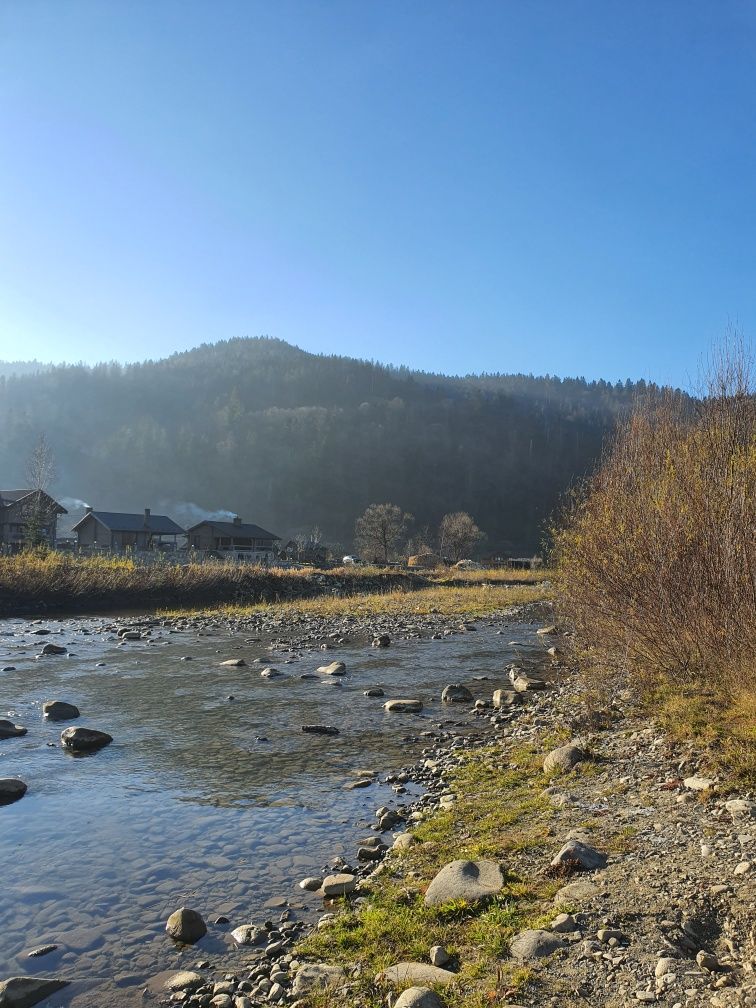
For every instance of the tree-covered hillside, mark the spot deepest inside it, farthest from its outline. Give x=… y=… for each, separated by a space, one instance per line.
x=291 y=440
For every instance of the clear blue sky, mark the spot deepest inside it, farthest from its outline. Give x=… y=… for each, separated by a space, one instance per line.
x=563 y=186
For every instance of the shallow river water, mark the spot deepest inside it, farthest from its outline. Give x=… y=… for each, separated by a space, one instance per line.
x=201 y=800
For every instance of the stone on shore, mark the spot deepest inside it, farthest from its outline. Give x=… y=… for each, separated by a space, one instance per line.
x=84 y=739
x=311 y=976
x=10 y=730
x=438 y=955
x=505 y=698
x=339 y=884
x=523 y=683
x=382 y=640
x=184 y=980
x=186 y=926
x=698 y=783
x=418 y=997
x=311 y=884
x=404 y=706
x=246 y=934
x=58 y=710
x=415 y=972
x=533 y=944
x=466 y=880
x=11 y=789
x=455 y=693
x=579 y=855
x=564 y=758
x=741 y=809
x=24 y=992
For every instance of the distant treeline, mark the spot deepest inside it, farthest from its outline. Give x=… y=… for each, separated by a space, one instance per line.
x=292 y=440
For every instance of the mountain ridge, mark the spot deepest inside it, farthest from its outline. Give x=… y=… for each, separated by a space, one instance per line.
x=292 y=439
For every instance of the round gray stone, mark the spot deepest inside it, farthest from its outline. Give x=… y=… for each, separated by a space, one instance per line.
x=535 y=944
x=466 y=880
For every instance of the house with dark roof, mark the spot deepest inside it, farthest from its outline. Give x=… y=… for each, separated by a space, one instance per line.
x=24 y=513
x=119 y=530
x=236 y=538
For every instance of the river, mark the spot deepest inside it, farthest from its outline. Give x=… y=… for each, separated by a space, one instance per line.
x=210 y=795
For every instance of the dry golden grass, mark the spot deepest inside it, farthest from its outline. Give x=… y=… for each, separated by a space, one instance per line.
x=497 y=575
x=476 y=600
x=60 y=580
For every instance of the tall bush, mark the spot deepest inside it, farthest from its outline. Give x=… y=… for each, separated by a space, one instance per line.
x=657 y=553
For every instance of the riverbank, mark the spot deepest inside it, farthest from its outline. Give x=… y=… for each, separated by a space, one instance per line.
x=42 y=583
x=460 y=781
x=659 y=910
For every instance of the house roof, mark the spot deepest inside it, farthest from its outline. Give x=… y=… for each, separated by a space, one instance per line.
x=242 y=531
x=117 y=521
x=8 y=497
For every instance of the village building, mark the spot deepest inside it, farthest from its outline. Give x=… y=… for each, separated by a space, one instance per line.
x=27 y=515
x=236 y=539
x=115 y=530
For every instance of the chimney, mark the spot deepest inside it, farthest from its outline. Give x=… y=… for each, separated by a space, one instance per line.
x=89 y=509
x=237 y=520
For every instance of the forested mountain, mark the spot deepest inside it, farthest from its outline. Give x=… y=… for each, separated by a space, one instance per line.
x=291 y=440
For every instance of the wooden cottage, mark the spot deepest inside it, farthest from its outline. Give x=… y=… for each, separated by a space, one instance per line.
x=236 y=538
x=118 y=530
x=27 y=515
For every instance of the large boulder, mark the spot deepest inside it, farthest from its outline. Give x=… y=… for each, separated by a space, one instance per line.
x=415 y=973
x=454 y=693
x=11 y=789
x=311 y=976
x=404 y=706
x=564 y=758
x=465 y=880
x=84 y=739
x=10 y=730
x=418 y=997
x=58 y=710
x=186 y=926
x=535 y=944
x=24 y=992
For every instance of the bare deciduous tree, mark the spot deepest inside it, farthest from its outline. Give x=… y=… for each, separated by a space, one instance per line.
x=378 y=531
x=40 y=473
x=458 y=535
x=40 y=466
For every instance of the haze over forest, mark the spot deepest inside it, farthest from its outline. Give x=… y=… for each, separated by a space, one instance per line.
x=293 y=440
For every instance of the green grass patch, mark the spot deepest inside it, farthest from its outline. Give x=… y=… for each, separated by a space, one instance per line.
x=499 y=814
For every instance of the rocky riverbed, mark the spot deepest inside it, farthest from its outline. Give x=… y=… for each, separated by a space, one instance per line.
x=210 y=795
x=662 y=908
